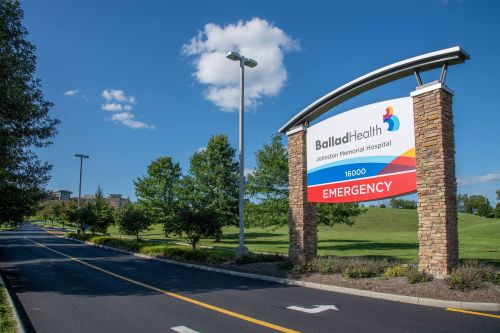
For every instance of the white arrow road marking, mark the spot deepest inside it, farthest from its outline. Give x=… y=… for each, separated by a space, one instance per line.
x=315 y=309
x=183 y=329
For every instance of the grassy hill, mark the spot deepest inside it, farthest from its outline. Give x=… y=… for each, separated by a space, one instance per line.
x=387 y=232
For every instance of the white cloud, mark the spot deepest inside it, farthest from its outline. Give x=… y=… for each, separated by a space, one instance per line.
x=118 y=96
x=122 y=105
x=201 y=149
x=71 y=92
x=248 y=171
x=127 y=119
x=112 y=107
x=257 y=39
x=76 y=93
x=487 y=178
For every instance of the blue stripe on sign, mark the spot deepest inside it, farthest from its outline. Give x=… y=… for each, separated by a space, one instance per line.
x=367 y=159
x=338 y=173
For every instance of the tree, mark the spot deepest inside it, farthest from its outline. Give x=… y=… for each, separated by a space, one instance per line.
x=462 y=202
x=214 y=176
x=479 y=205
x=268 y=187
x=86 y=217
x=24 y=120
x=403 y=204
x=157 y=193
x=133 y=219
x=344 y=213
x=103 y=212
x=195 y=219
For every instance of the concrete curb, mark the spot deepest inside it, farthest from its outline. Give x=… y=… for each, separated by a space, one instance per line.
x=17 y=318
x=494 y=307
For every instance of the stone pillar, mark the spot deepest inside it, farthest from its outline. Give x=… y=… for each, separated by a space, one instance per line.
x=301 y=214
x=436 y=182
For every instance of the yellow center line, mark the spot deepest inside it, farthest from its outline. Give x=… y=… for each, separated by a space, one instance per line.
x=474 y=313
x=186 y=299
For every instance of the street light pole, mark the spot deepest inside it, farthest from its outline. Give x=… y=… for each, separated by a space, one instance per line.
x=242 y=250
x=81 y=156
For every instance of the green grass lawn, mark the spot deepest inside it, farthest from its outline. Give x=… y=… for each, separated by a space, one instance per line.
x=7 y=323
x=391 y=233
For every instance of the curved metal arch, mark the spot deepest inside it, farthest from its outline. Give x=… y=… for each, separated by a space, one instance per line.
x=451 y=56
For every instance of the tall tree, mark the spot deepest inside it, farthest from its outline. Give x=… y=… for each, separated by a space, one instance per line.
x=214 y=173
x=157 y=192
x=268 y=187
x=103 y=212
x=24 y=119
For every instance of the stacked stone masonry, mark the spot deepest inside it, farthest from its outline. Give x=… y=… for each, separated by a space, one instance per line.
x=436 y=182
x=301 y=214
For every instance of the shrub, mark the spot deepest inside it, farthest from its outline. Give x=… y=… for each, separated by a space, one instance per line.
x=364 y=267
x=331 y=265
x=306 y=267
x=395 y=271
x=488 y=272
x=415 y=276
x=465 y=278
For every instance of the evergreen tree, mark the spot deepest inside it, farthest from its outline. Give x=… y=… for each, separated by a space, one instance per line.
x=24 y=120
x=103 y=212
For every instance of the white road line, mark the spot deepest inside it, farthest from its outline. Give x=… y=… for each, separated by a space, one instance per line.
x=183 y=329
x=315 y=309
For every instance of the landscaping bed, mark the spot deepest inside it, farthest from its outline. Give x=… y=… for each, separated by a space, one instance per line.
x=473 y=281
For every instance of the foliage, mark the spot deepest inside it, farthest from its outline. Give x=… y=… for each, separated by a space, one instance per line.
x=403 y=204
x=271 y=213
x=213 y=183
x=477 y=205
x=269 y=180
x=103 y=212
x=196 y=223
x=158 y=192
x=415 y=276
x=25 y=124
x=7 y=322
x=268 y=187
x=174 y=252
x=345 y=213
x=396 y=271
x=364 y=267
x=132 y=220
x=331 y=265
x=86 y=217
x=464 y=278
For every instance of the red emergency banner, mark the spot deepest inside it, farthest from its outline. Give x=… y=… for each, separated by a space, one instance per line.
x=365 y=189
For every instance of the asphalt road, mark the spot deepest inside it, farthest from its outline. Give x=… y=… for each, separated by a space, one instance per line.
x=65 y=286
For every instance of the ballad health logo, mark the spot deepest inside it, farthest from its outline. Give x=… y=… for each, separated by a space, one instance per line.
x=391 y=119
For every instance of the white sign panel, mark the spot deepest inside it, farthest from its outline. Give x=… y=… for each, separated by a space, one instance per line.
x=363 y=154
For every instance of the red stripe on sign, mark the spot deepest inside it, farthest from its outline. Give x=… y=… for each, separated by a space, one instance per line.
x=364 y=189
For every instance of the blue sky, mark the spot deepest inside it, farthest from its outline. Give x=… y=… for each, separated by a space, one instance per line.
x=135 y=80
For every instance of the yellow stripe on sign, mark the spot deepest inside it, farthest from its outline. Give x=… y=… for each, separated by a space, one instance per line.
x=186 y=299
x=474 y=313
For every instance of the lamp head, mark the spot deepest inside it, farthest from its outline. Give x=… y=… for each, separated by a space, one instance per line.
x=233 y=56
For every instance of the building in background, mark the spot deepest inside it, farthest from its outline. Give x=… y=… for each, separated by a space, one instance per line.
x=62 y=195
x=116 y=201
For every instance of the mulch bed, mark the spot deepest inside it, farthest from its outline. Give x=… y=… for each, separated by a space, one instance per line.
x=436 y=289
